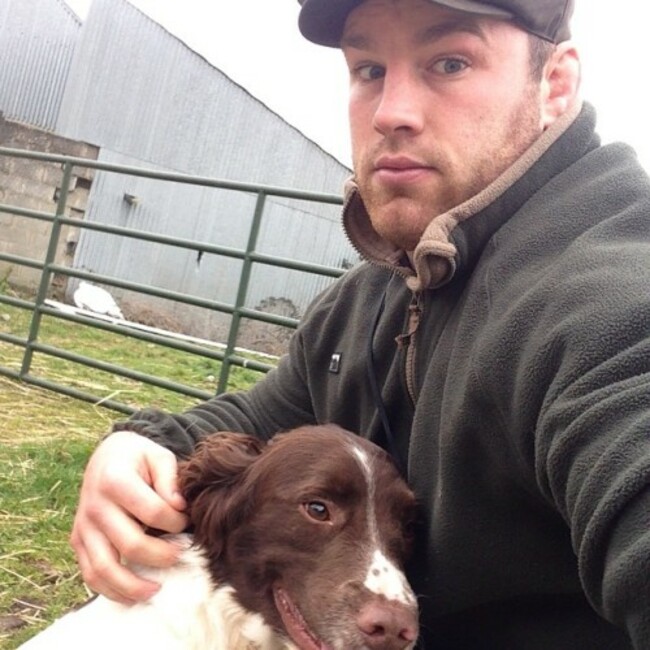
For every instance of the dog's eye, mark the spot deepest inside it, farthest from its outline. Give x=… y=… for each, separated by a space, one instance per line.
x=317 y=510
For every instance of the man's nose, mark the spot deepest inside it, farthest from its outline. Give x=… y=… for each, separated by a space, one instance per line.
x=401 y=104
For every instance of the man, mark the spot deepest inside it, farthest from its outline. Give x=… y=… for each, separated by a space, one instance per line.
x=496 y=342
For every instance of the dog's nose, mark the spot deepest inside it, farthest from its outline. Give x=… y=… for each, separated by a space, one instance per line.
x=388 y=625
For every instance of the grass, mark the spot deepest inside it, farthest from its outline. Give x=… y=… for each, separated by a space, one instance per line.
x=45 y=441
x=150 y=358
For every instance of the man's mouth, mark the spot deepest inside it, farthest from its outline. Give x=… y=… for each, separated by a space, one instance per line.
x=400 y=169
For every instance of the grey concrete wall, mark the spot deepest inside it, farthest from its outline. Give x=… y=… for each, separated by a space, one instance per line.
x=34 y=185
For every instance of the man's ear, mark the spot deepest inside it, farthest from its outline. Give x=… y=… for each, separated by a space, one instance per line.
x=560 y=82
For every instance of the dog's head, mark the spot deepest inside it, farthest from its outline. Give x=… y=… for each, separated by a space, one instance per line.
x=311 y=530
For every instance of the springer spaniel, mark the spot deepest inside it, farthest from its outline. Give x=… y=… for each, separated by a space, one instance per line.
x=297 y=545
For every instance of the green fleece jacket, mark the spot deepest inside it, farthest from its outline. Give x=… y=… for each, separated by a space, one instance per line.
x=513 y=355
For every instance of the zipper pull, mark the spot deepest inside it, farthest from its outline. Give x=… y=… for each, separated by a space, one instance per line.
x=415 y=312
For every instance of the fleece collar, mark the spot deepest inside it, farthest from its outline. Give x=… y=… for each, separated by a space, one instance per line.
x=435 y=258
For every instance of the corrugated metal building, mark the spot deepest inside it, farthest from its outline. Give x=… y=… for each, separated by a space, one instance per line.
x=37 y=44
x=148 y=100
x=137 y=90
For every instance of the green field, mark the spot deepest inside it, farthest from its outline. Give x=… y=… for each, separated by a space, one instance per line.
x=45 y=441
x=182 y=367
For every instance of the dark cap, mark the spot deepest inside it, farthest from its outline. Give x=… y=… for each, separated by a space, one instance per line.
x=322 y=21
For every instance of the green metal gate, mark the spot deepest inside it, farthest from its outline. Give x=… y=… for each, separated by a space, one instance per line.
x=228 y=356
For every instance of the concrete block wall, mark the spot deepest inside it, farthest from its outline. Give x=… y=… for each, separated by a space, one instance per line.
x=35 y=185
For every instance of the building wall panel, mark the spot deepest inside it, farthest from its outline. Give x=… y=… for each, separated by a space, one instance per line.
x=138 y=90
x=37 y=43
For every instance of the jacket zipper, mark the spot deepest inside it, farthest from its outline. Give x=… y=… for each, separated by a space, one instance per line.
x=408 y=340
x=375 y=261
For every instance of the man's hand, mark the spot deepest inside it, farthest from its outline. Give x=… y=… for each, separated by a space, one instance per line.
x=130 y=482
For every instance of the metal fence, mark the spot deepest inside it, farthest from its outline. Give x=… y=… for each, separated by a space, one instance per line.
x=228 y=356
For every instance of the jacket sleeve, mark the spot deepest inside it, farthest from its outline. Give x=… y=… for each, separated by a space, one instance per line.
x=281 y=400
x=593 y=448
x=579 y=381
x=570 y=370
x=302 y=389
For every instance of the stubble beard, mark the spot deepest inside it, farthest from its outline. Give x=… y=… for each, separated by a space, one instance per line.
x=401 y=214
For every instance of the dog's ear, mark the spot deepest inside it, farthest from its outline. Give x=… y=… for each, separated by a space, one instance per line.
x=210 y=481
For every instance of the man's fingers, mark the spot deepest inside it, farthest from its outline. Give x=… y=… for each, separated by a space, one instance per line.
x=134 y=545
x=150 y=494
x=103 y=572
x=152 y=509
x=163 y=477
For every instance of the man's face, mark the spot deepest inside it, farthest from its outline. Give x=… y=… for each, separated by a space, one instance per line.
x=441 y=103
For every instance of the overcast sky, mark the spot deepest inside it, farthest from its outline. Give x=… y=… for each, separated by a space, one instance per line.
x=257 y=44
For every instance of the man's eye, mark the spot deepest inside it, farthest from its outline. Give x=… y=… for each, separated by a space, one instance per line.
x=370 y=72
x=450 y=66
x=317 y=510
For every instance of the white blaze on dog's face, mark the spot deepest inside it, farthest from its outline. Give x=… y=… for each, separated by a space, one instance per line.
x=312 y=535
x=384 y=577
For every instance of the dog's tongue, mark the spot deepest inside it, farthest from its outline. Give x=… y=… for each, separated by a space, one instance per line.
x=295 y=624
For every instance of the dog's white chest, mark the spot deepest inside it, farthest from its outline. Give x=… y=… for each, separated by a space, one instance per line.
x=188 y=613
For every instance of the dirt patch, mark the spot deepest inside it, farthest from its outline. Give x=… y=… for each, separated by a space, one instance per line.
x=22 y=612
x=267 y=337
x=145 y=315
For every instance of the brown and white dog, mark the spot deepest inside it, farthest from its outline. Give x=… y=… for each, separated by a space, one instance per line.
x=297 y=545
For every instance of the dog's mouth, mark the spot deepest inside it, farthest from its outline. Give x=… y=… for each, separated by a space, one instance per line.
x=294 y=622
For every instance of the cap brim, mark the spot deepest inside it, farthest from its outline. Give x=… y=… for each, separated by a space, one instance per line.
x=322 y=21
x=472 y=7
